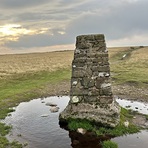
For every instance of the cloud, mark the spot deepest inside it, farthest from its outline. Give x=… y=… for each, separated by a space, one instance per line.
x=19 y=4
x=117 y=22
x=60 y=22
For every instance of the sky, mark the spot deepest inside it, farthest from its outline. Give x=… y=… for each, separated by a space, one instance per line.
x=47 y=25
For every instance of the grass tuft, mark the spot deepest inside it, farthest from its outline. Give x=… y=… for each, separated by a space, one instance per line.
x=109 y=144
x=74 y=124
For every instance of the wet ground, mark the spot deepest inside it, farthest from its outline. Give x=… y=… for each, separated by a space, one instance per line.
x=33 y=123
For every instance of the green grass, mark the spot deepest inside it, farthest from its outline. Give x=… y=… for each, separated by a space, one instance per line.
x=74 y=124
x=109 y=144
x=24 y=87
x=22 y=83
x=132 y=69
x=146 y=116
x=4 y=143
x=4 y=130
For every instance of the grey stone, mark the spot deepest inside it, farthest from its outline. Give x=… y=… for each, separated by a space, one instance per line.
x=45 y=115
x=54 y=109
x=81 y=131
x=51 y=104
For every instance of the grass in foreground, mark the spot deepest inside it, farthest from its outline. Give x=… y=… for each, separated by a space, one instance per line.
x=4 y=143
x=119 y=130
x=109 y=144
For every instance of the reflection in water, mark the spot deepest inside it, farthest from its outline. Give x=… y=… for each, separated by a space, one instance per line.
x=139 y=140
x=88 y=140
x=34 y=123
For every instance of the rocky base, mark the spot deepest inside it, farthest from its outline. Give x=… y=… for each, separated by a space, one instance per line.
x=106 y=115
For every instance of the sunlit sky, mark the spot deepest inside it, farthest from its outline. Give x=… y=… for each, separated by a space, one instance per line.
x=47 y=25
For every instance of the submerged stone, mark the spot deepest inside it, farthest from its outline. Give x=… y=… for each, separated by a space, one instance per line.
x=91 y=95
x=54 y=109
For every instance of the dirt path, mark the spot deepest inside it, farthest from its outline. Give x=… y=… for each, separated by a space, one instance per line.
x=128 y=92
x=131 y=92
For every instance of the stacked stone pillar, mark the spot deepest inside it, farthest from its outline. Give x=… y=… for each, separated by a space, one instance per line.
x=91 y=95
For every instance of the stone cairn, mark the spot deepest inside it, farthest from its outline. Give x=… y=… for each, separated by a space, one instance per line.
x=91 y=96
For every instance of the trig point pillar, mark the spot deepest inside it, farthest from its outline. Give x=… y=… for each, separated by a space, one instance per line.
x=91 y=95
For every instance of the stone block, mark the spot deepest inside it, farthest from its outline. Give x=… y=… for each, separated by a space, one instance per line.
x=78 y=72
x=106 y=91
x=104 y=68
x=77 y=64
x=106 y=99
x=80 y=60
x=93 y=91
x=89 y=99
x=98 y=54
x=95 y=68
x=99 y=82
x=87 y=82
x=77 y=91
x=80 y=55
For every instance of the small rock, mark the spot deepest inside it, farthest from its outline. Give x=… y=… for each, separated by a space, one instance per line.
x=107 y=75
x=81 y=130
x=136 y=107
x=126 y=123
x=75 y=99
x=54 y=109
x=75 y=83
x=44 y=115
x=51 y=104
x=128 y=106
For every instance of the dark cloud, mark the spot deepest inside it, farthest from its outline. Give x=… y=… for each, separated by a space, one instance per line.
x=41 y=40
x=13 y=4
x=117 y=22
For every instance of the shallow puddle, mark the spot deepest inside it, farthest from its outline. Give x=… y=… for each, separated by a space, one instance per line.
x=33 y=123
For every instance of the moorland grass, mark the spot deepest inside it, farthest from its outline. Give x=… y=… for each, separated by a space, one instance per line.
x=132 y=69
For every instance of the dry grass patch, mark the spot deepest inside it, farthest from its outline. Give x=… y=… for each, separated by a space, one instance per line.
x=22 y=63
x=114 y=50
